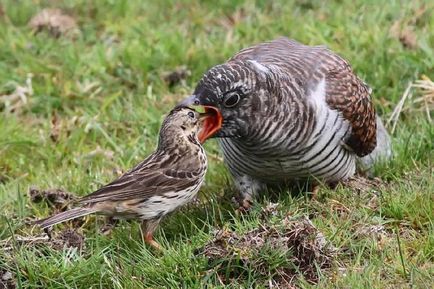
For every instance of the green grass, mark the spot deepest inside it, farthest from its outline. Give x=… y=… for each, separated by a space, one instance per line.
x=105 y=88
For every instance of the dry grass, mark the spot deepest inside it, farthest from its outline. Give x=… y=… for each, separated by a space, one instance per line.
x=424 y=101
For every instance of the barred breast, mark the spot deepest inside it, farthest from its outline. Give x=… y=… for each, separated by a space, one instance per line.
x=306 y=146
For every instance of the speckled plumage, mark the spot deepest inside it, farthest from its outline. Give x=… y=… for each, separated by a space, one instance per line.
x=290 y=112
x=169 y=178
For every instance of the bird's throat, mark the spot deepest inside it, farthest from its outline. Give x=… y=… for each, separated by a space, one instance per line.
x=212 y=123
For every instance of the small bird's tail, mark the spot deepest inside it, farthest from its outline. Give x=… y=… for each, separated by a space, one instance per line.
x=64 y=216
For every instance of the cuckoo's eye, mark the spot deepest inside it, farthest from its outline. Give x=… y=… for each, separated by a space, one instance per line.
x=230 y=100
x=191 y=114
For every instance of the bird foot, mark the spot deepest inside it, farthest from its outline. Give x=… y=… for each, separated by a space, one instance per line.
x=244 y=206
x=48 y=232
x=148 y=238
x=155 y=245
x=107 y=230
x=109 y=226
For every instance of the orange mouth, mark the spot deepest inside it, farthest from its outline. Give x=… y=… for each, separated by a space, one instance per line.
x=212 y=123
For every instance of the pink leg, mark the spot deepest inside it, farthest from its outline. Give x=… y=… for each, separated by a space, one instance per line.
x=148 y=228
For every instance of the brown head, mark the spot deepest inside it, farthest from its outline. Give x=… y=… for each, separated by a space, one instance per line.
x=182 y=125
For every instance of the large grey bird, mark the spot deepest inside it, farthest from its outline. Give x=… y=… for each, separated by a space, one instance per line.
x=167 y=179
x=284 y=111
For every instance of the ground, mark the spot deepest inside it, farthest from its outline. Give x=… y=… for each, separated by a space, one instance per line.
x=82 y=95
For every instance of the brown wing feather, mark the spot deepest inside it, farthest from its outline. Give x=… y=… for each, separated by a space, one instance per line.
x=145 y=180
x=349 y=95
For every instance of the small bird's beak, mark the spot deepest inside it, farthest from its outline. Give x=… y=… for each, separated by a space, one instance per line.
x=191 y=100
x=212 y=117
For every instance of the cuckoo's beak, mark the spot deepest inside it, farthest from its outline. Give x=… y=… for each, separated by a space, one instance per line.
x=212 y=123
x=212 y=117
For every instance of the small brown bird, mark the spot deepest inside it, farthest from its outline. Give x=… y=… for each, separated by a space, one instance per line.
x=169 y=178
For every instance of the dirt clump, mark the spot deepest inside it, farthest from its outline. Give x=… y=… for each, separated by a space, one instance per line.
x=67 y=238
x=178 y=75
x=7 y=280
x=55 y=21
x=361 y=184
x=57 y=198
x=283 y=252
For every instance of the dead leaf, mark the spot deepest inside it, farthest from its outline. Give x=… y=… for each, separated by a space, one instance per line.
x=418 y=14
x=3 y=178
x=57 y=198
x=55 y=22
x=98 y=151
x=339 y=208
x=371 y=231
x=269 y=210
x=405 y=34
x=361 y=184
x=55 y=128
x=62 y=126
x=7 y=279
x=176 y=76
x=408 y=38
x=68 y=238
x=17 y=100
x=424 y=101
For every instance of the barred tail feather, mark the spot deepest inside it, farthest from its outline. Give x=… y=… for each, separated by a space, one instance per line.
x=64 y=216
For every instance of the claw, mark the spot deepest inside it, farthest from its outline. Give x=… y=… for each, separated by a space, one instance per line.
x=149 y=239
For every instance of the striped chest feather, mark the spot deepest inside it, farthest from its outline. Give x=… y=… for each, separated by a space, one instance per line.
x=314 y=150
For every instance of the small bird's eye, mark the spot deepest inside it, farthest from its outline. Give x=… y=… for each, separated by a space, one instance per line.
x=191 y=114
x=231 y=100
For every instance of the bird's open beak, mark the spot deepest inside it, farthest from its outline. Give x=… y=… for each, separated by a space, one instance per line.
x=212 y=118
x=212 y=123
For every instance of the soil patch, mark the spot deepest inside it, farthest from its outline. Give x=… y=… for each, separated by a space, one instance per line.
x=56 y=198
x=283 y=253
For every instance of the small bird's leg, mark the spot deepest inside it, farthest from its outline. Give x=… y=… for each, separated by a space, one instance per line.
x=48 y=232
x=109 y=226
x=315 y=190
x=148 y=229
x=248 y=189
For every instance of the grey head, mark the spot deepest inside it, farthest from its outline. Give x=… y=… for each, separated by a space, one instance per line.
x=233 y=93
